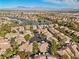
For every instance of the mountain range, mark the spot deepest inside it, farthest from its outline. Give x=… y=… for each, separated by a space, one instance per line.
x=40 y=8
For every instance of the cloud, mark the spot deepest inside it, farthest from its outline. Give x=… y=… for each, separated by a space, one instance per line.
x=53 y=1
x=70 y=3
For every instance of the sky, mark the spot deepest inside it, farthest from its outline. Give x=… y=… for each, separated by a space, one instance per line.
x=40 y=3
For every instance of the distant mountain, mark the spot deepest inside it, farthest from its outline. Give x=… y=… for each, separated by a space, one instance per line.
x=42 y=8
x=32 y=8
x=27 y=8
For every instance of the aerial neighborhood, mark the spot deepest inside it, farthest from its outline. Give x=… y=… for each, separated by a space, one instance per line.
x=38 y=35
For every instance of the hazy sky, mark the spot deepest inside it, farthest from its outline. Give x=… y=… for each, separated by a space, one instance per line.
x=40 y=3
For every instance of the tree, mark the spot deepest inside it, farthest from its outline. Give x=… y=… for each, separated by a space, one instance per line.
x=64 y=57
x=1 y=57
x=8 y=53
x=53 y=47
x=42 y=36
x=14 y=44
x=22 y=54
x=4 y=29
x=35 y=46
x=28 y=54
x=27 y=37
